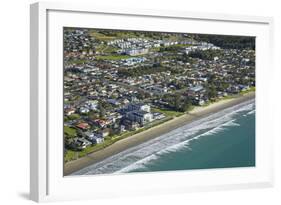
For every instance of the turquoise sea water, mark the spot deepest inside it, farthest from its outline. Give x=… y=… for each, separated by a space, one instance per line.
x=231 y=146
x=222 y=140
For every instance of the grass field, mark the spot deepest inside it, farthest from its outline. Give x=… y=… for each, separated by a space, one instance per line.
x=69 y=131
x=112 y=57
x=100 y=36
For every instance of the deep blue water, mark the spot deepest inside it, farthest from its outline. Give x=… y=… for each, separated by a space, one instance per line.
x=222 y=140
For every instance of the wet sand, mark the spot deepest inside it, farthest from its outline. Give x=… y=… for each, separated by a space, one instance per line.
x=121 y=145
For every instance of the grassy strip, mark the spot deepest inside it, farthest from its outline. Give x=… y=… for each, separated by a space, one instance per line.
x=180 y=45
x=70 y=155
x=69 y=131
x=167 y=112
x=73 y=155
x=106 y=49
x=112 y=57
x=251 y=89
x=100 y=36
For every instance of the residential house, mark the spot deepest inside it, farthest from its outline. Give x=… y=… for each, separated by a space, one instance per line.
x=138 y=106
x=140 y=116
x=129 y=124
x=83 y=126
x=81 y=143
x=94 y=138
x=69 y=111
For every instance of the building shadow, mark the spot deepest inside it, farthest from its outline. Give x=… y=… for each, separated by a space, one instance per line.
x=24 y=195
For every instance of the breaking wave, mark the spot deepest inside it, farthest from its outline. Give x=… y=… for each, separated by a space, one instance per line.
x=141 y=155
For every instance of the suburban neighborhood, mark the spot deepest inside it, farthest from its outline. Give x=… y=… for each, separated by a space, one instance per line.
x=119 y=83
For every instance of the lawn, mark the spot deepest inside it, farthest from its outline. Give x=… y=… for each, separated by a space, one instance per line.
x=167 y=112
x=112 y=57
x=73 y=155
x=70 y=155
x=180 y=45
x=73 y=116
x=100 y=36
x=103 y=48
x=251 y=89
x=71 y=132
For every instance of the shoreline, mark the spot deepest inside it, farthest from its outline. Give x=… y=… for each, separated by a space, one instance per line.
x=158 y=130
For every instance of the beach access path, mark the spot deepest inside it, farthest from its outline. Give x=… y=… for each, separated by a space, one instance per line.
x=134 y=140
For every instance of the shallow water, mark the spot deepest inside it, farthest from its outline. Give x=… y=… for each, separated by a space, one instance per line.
x=224 y=139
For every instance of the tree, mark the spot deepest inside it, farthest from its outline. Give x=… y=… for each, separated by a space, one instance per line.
x=93 y=115
x=74 y=117
x=211 y=78
x=102 y=111
x=212 y=92
x=186 y=104
x=177 y=102
x=185 y=58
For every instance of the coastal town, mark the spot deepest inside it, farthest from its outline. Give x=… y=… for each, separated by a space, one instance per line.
x=120 y=83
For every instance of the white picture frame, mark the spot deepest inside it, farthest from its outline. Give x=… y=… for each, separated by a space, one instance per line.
x=46 y=179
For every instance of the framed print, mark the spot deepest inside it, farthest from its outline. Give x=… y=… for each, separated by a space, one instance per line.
x=127 y=102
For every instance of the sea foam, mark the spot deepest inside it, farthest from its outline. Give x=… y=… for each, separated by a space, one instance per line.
x=138 y=157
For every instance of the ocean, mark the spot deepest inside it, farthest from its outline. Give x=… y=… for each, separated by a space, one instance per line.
x=221 y=140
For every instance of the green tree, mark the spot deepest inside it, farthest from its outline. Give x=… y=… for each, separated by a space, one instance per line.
x=74 y=117
x=212 y=92
x=102 y=111
x=177 y=104
x=186 y=105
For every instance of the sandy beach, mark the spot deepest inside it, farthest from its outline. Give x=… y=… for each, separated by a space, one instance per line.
x=121 y=145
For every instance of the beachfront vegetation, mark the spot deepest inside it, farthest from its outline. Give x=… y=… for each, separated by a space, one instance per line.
x=251 y=89
x=72 y=155
x=168 y=112
x=120 y=83
x=69 y=132
x=177 y=103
